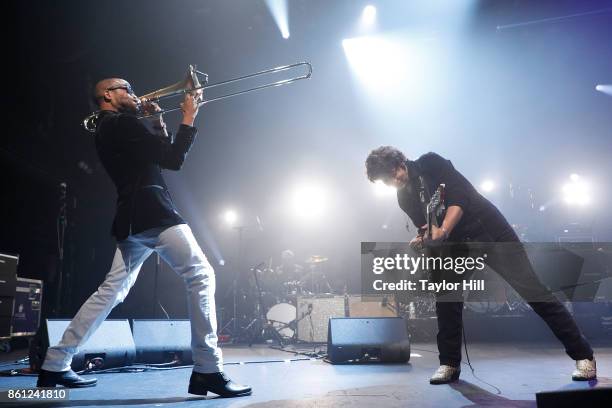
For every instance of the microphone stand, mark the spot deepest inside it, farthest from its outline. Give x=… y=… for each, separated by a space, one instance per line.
x=62 y=222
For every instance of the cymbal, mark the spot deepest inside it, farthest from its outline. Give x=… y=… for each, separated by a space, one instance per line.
x=315 y=259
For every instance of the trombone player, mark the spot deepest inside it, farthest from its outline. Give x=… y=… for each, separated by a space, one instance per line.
x=146 y=221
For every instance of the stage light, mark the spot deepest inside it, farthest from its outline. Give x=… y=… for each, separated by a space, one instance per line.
x=383 y=190
x=230 y=216
x=222 y=262
x=382 y=64
x=278 y=9
x=309 y=201
x=577 y=191
x=368 y=15
x=487 y=186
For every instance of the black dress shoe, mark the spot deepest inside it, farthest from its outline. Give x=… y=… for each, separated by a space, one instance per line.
x=68 y=379
x=219 y=383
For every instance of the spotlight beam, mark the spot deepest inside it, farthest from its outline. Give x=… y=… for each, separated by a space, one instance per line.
x=604 y=88
x=368 y=15
x=553 y=19
x=278 y=9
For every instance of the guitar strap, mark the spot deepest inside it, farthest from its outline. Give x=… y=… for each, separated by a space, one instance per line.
x=424 y=193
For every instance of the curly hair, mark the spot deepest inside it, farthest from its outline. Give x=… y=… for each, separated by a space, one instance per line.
x=381 y=162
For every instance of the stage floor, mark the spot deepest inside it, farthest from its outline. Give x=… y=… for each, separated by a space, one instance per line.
x=518 y=370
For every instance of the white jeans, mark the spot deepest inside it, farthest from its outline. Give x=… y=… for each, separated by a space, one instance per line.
x=177 y=246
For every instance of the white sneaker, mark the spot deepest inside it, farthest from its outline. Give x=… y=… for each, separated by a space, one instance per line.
x=585 y=370
x=445 y=374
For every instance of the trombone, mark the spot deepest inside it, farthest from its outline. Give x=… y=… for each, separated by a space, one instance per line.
x=193 y=83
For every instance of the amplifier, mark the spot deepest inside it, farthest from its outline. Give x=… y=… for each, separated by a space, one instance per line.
x=313 y=313
x=8 y=274
x=5 y=327
x=28 y=301
x=6 y=305
x=371 y=306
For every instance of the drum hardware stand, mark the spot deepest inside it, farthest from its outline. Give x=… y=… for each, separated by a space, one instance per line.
x=268 y=330
x=315 y=264
x=259 y=319
x=234 y=287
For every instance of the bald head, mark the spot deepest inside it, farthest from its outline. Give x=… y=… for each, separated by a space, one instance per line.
x=115 y=94
x=103 y=85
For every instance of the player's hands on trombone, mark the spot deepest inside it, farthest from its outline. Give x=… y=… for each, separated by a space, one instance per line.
x=149 y=107
x=150 y=110
x=190 y=106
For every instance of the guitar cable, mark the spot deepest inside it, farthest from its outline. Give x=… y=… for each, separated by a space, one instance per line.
x=469 y=363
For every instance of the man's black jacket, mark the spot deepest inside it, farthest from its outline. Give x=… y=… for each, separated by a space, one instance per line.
x=481 y=220
x=133 y=158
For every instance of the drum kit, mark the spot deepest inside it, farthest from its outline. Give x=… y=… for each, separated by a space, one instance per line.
x=265 y=307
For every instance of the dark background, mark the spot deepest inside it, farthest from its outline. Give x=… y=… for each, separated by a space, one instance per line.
x=514 y=103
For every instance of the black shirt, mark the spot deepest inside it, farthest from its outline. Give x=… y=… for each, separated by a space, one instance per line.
x=481 y=220
x=133 y=158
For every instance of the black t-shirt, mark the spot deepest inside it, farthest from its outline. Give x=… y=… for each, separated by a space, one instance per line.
x=481 y=220
x=133 y=157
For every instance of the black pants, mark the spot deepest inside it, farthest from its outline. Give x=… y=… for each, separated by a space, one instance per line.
x=510 y=261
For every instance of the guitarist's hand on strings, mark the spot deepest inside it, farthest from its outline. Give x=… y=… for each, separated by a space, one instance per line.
x=437 y=235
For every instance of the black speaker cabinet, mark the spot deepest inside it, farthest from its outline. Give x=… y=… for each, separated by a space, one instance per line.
x=162 y=341
x=588 y=397
x=8 y=274
x=28 y=302
x=368 y=340
x=110 y=346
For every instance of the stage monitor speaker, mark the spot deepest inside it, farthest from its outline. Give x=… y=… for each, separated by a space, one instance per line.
x=588 y=397
x=162 y=341
x=360 y=340
x=110 y=346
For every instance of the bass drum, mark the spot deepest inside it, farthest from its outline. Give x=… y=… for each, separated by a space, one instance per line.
x=282 y=318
